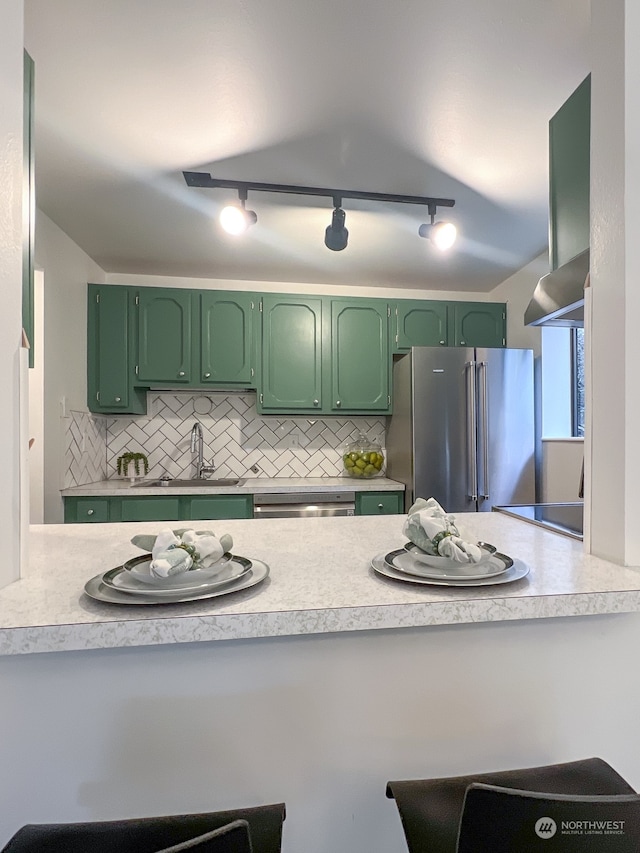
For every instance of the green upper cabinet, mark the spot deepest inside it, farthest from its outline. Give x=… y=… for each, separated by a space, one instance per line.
x=569 y=170
x=360 y=358
x=164 y=335
x=291 y=354
x=28 y=206
x=419 y=323
x=109 y=350
x=477 y=324
x=226 y=338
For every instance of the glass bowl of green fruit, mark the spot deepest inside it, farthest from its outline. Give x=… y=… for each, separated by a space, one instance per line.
x=363 y=458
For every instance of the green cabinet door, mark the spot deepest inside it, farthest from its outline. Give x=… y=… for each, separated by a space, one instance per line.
x=420 y=323
x=164 y=335
x=109 y=350
x=226 y=338
x=214 y=507
x=379 y=503
x=569 y=170
x=360 y=358
x=291 y=354
x=478 y=324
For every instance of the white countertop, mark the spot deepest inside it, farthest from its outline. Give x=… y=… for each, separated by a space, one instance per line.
x=321 y=581
x=253 y=485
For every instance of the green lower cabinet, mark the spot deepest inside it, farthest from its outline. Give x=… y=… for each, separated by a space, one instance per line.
x=379 y=503
x=203 y=507
x=157 y=508
x=78 y=510
x=478 y=324
x=420 y=323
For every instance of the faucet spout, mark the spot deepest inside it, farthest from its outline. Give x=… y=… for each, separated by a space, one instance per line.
x=197 y=446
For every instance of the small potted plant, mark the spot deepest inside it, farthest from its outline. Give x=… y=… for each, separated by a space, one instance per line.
x=128 y=458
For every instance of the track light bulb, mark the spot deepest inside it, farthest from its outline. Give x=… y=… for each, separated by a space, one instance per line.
x=442 y=234
x=336 y=235
x=235 y=219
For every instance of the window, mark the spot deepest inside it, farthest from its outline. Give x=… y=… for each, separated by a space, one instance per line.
x=562 y=382
x=577 y=382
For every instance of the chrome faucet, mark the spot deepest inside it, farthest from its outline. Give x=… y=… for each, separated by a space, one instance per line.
x=197 y=446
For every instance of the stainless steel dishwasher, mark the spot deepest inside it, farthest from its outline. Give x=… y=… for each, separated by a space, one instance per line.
x=304 y=505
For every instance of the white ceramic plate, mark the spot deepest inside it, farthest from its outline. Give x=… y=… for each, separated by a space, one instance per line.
x=517 y=571
x=495 y=564
x=446 y=562
x=124 y=582
x=139 y=568
x=95 y=588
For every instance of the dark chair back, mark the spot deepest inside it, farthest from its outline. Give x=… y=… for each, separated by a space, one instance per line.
x=430 y=809
x=231 y=838
x=148 y=835
x=504 y=820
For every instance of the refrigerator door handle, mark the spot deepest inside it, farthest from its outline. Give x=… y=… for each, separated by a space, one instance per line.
x=472 y=425
x=484 y=412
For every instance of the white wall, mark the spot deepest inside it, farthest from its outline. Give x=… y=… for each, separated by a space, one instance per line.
x=67 y=269
x=289 y=287
x=36 y=406
x=561 y=468
x=11 y=75
x=319 y=722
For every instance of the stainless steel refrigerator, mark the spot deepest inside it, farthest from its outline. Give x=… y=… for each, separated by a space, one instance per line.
x=462 y=429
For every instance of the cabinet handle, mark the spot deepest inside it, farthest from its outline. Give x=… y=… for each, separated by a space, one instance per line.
x=181 y=373
x=463 y=344
x=380 y=506
x=118 y=399
x=89 y=512
x=338 y=403
x=207 y=375
x=442 y=343
x=316 y=402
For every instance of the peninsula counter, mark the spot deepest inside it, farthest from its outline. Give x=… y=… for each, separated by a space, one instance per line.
x=314 y=688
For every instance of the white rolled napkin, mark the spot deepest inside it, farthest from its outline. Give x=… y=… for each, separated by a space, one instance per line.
x=166 y=558
x=208 y=547
x=427 y=521
x=457 y=549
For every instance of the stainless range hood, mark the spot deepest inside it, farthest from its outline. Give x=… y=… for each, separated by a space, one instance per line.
x=558 y=299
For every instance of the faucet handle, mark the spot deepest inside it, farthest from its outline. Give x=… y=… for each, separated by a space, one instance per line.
x=206 y=469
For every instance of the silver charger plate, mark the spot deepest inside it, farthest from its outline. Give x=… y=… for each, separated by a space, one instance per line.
x=95 y=588
x=517 y=571
x=121 y=580
x=494 y=564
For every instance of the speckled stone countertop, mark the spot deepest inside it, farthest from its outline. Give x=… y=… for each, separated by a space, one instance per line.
x=254 y=485
x=321 y=581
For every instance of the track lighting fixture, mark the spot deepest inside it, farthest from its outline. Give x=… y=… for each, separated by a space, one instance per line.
x=236 y=219
x=336 y=235
x=442 y=234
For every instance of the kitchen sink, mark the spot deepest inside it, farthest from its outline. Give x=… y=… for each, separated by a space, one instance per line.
x=181 y=484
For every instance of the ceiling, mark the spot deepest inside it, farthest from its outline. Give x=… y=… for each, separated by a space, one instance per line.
x=419 y=97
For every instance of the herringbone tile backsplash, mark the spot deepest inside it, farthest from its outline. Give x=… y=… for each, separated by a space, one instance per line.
x=236 y=439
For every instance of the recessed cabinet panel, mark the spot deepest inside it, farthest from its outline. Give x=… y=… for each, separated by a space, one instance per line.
x=226 y=338
x=477 y=324
x=569 y=171
x=164 y=335
x=291 y=353
x=360 y=360
x=420 y=324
